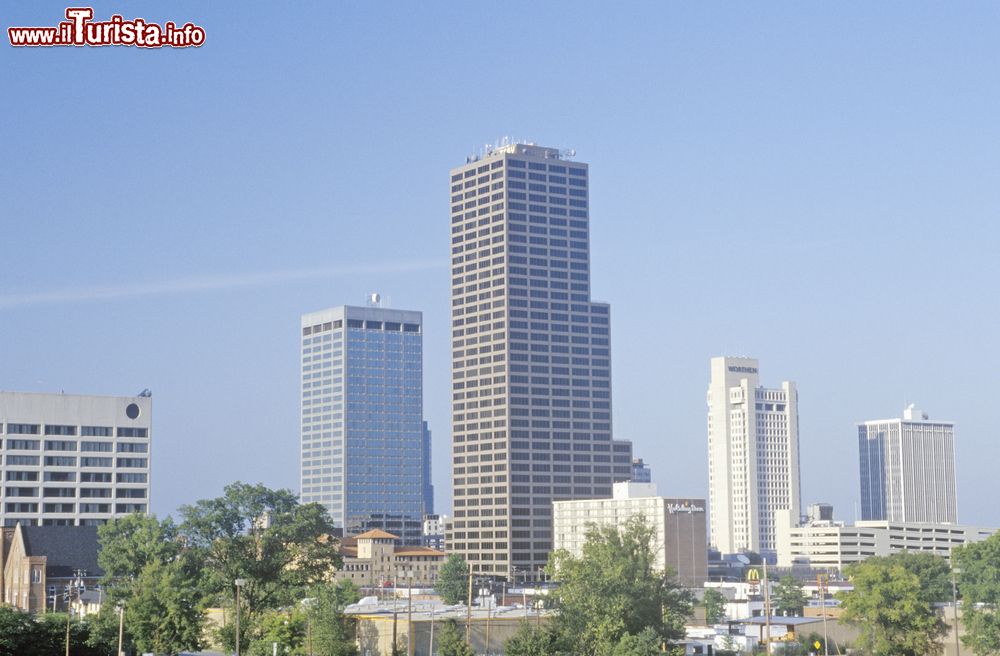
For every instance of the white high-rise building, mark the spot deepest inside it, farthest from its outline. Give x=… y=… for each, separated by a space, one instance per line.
x=363 y=438
x=753 y=456
x=73 y=460
x=908 y=469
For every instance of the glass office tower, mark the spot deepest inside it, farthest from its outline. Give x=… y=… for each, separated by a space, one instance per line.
x=531 y=362
x=363 y=436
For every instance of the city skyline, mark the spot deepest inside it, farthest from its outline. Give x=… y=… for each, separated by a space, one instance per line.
x=849 y=179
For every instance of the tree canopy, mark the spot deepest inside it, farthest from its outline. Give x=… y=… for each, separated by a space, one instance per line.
x=264 y=536
x=979 y=582
x=891 y=605
x=148 y=570
x=453 y=580
x=166 y=574
x=614 y=589
x=451 y=642
x=715 y=606
x=788 y=597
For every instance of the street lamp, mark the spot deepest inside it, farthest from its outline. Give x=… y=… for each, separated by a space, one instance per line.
x=239 y=584
x=121 y=627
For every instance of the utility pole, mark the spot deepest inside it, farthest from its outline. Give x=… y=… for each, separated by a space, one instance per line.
x=468 y=612
x=954 y=599
x=430 y=650
x=409 y=615
x=488 y=612
x=121 y=628
x=767 y=609
x=821 y=581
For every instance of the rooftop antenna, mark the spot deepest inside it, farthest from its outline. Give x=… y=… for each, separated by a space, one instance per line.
x=374 y=300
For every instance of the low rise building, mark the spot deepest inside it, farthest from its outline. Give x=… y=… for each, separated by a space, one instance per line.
x=834 y=545
x=679 y=525
x=375 y=559
x=433 y=533
x=44 y=568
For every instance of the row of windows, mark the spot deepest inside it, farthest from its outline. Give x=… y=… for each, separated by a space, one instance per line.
x=22 y=507
x=92 y=492
x=85 y=477
x=71 y=445
x=70 y=461
x=85 y=431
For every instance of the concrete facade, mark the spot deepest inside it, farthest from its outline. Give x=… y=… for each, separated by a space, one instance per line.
x=834 y=545
x=531 y=361
x=679 y=525
x=908 y=469
x=71 y=459
x=753 y=456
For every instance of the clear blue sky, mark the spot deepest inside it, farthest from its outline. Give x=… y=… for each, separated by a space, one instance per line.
x=816 y=185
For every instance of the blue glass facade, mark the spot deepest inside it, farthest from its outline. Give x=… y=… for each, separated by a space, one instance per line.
x=363 y=447
x=871 y=447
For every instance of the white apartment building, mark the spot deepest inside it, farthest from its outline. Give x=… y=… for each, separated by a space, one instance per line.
x=679 y=526
x=908 y=469
x=73 y=460
x=827 y=544
x=753 y=456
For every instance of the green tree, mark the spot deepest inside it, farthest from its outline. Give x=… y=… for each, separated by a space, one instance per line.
x=165 y=613
x=286 y=629
x=48 y=638
x=933 y=572
x=891 y=607
x=788 y=597
x=715 y=606
x=279 y=546
x=531 y=640
x=729 y=647
x=18 y=632
x=614 y=589
x=453 y=580
x=645 y=643
x=450 y=641
x=131 y=542
x=332 y=634
x=149 y=570
x=979 y=582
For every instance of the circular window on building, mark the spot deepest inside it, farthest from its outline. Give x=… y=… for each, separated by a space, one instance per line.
x=132 y=411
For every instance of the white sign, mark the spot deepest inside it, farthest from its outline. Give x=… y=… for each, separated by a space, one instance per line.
x=674 y=508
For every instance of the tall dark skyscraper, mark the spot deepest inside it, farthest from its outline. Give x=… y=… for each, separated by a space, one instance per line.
x=531 y=360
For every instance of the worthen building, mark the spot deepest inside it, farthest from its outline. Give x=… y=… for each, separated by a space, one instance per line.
x=531 y=357
x=753 y=456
